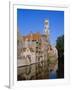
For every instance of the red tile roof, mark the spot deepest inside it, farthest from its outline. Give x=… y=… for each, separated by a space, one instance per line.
x=35 y=36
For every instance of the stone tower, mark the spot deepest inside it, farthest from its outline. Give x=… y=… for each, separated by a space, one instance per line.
x=46 y=29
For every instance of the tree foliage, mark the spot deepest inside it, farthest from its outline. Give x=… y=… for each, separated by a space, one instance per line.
x=60 y=45
x=60 y=48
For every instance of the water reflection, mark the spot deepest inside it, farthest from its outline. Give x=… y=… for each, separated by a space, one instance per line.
x=35 y=71
x=52 y=75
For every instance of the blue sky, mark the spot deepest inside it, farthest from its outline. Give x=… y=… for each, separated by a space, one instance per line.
x=33 y=21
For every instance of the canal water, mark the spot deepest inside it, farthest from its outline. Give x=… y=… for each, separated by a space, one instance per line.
x=35 y=72
x=53 y=75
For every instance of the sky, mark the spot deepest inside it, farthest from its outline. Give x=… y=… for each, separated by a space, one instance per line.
x=29 y=20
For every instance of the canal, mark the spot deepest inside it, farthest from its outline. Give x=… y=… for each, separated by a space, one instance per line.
x=35 y=71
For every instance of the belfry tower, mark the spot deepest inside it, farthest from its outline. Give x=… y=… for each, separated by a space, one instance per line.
x=46 y=29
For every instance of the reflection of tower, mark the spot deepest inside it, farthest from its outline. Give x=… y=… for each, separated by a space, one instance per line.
x=46 y=29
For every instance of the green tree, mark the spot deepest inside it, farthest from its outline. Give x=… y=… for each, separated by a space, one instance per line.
x=60 y=48
x=60 y=45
